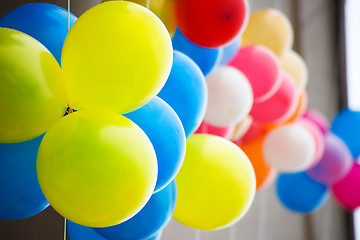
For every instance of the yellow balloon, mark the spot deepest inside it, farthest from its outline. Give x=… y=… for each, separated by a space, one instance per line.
x=96 y=169
x=271 y=28
x=216 y=184
x=292 y=63
x=117 y=56
x=32 y=95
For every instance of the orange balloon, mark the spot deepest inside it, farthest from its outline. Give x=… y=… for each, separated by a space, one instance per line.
x=263 y=172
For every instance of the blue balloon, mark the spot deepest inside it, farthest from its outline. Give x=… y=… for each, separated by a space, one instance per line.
x=20 y=192
x=149 y=221
x=229 y=51
x=186 y=92
x=45 y=22
x=299 y=193
x=166 y=133
x=346 y=126
x=79 y=232
x=205 y=58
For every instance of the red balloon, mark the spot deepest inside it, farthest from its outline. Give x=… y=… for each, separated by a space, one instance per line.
x=211 y=23
x=224 y=132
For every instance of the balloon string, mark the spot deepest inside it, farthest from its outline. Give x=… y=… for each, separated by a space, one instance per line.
x=232 y=233
x=262 y=216
x=68 y=15
x=148 y=4
x=197 y=234
x=64 y=228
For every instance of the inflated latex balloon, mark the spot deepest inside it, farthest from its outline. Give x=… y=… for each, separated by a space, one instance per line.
x=212 y=23
x=335 y=163
x=101 y=172
x=271 y=28
x=346 y=126
x=186 y=92
x=299 y=193
x=319 y=119
x=241 y=128
x=79 y=232
x=205 y=58
x=281 y=106
x=160 y=123
x=263 y=171
x=229 y=51
x=346 y=191
x=302 y=106
x=230 y=96
x=289 y=148
x=254 y=131
x=293 y=64
x=45 y=22
x=113 y=65
x=224 y=132
x=262 y=69
x=32 y=95
x=21 y=196
x=216 y=184
x=152 y=218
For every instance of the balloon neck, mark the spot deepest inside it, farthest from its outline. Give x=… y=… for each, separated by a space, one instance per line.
x=68 y=110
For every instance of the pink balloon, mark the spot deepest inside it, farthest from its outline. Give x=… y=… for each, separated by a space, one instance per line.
x=281 y=106
x=347 y=190
x=319 y=119
x=225 y=132
x=335 y=163
x=254 y=131
x=261 y=67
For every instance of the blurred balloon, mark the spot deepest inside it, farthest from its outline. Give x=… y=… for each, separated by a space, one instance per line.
x=302 y=106
x=271 y=28
x=319 y=119
x=281 y=106
x=229 y=50
x=186 y=92
x=101 y=172
x=263 y=172
x=346 y=126
x=262 y=69
x=216 y=184
x=21 y=196
x=289 y=148
x=224 y=132
x=79 y=232
x=346 y=191
x=241 y=128
x=293 y=64
x=205 y=58
x=335 y=163
x=254 y=131
x=101 y=68
x=152 y=218
x=230 y=96
x=211 y=24
x=32 y=95
x=45 y=22
x=300 y=193
x=160 y=123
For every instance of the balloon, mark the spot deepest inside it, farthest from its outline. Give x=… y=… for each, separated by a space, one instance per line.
x=253 y=132
x=262 y=69
x=160 y=123
x=346 y=126
x=319 y=119
x=152 y=218
x=216 y=184
x=21 y=196
x=281 y=106
x=230 y=97
x=229 y=51
x=79 y=232
x=241 y=128
x=113 y=65
x=224 y=132
x=211 y=24
x=270 y=28
x=293 y=64
x=302 y=106
x=186 y=92
x=300 y=193
x=346 y=191
x=101 y=172
x=32 y=96
x=335 y=163
x=289 y=148
x=263 y=172
x=205 y=58
x=45 y=22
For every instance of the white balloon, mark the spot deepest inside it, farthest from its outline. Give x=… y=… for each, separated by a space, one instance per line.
x=289 y=148
x=230 y=96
